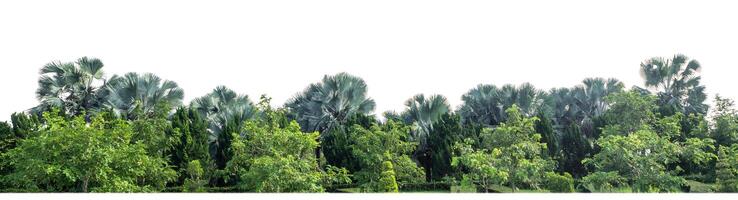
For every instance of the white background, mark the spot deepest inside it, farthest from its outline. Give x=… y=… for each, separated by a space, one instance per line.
x=400 y=48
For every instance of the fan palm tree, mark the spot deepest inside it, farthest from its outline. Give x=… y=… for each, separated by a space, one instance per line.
x=486 y=104
x=225 y=112
x=590 y=100
x=325 y=105
x=145 y=92
x=74 y=87
x=422 y=112
x=677 y=82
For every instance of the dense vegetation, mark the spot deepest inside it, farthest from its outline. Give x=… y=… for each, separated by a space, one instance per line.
x=133 y=133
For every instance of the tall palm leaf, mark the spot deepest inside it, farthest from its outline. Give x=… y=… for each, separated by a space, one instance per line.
x=72 y=87
x=147 y=91
x=486 y=104
x=325 y=105
x=422 y=112
x=677 y=82
x=225 y=112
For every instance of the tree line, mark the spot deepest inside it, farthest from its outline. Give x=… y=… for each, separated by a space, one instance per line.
x=134 y=133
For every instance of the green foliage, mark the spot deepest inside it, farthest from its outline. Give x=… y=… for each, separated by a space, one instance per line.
x=336 y=143
x=628 y=112
x=145 y=92
x=727 y=168
x=486 y=104
x=603 y=181
x=725 y=132
x=387 y=142
x=193 y=141
x=446 y=132
x=225 y=112
x=387 y=182
x=574 y=149
x=72 y=87
x=194 y=181
x=678 y=84
x=272 y=158
x=642 y=158
x=559 y=183
x=482 y=165
x=329 y=103
x=71 y=155
x=522 y=153
x=7 y=138
x=24 y=125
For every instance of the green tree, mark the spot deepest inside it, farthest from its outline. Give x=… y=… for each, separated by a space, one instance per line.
x=387 y=142
x=725 y=131
x=678 y=84
x=24 y=125
x=642 y=158
x=387 y=182
x=486 y=104
x=521 y=150
x=727 y=168
x=446 y=132
x=194 y=181
x=628 y=112
x=276 y=157
x=423 y=113
x=74 y=87
x=72 y=155
x=330 y=103
x=225 y=112
x=481 y=165
x=574 y=148
x=141 y=91
x=7 y=138
x=193 y=141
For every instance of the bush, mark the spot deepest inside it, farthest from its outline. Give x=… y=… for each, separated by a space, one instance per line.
x=603 y=182
x=559 y=183
x=194 y=182
x=387 y=182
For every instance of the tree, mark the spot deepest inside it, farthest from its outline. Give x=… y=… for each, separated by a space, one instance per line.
x=336 y=143
x=225 y=112
x=574 y=149
x=145 y=92
x=446 y=132
x=275 y=157
x=387 y=182
x=378 y=144
x=482 y=165
x=521 y=150
x=727 y=168
x=329 y=103
x=72 y=87
x=7 y=138
x=194 y=181
x=423 y=113
x=24 y=125
x=591 y=101
x=486 y=104
x=72 y=155
x=641 y=158
x=677 y=82
x=628 y=112
x=193 y=141
x=725 y=130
